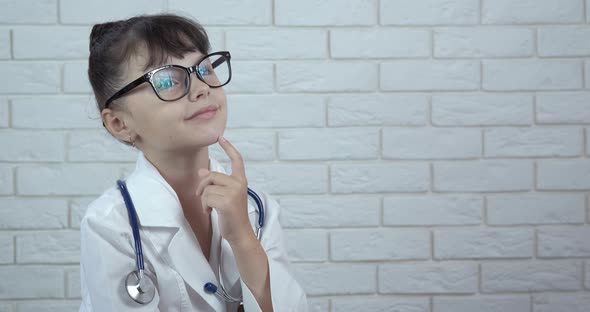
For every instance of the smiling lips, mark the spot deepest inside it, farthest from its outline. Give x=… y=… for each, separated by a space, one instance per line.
x=204 y=113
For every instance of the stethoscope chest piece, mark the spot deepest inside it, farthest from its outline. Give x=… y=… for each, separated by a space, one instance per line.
x=139 y=286
x=141 y=290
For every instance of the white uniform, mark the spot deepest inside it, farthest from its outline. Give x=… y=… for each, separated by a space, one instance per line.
x=172 y=254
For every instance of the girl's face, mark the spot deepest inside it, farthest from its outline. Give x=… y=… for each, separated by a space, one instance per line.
x=172 y=126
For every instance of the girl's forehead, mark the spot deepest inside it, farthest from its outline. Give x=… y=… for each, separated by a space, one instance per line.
x=139 y=62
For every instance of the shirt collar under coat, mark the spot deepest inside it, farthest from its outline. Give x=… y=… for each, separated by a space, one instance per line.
x=157 y=205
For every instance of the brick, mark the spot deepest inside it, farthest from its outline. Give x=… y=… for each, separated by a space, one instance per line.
x=6 y=180
x=336 y=279
x=509 y=75
x=483 y=176
x=73 y=288
x=532 y=11
x=564 y=41
x=427 y=277
x=4 y=114
x=432 y=210
x=587 y=70
x=429 y=12
x=72 y=11
x=563 y=242
x=472 y=243
x=533 y=142
x=216 y=38
x=482 y=109
x=326 y=13
x=277 y=44
x=41 y=113
x=32 y=145
x=29 y=78
x=326 y=76
x=78 y=208
x=306 y=245
x=381 y=303
x=42 y=42
x=380 y=43
x=31 y=282
x=329 y=144
x=51 y=247
x=375 y=178
x=275 y=111
x=530 y=276
x=478 y=42
x=6 y=249
x=249 y=12
x=377 y=110
x=280 y=178
x=429 y=75
x=252 y=145
x=28 y=11
x=76 y=78
x=563 y=174
x=329 y=212
x=316 y=304
x=5 y=42
x=563 y=107
x=251 y=77
x=6 y=307
x=482 y=304
x=48 y=306
x=431 y=143
x=587 y=275
x=561 y=302
x=377 y=244
x=98 y=145
x=33 y=213
x=535 y=209
x=40 y=179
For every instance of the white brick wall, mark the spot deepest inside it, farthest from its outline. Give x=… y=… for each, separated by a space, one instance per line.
x=428 y=155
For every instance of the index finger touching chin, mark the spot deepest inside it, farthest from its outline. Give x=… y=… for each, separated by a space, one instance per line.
x=237 y=162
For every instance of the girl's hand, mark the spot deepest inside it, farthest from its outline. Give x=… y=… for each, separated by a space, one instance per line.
x=229 y=196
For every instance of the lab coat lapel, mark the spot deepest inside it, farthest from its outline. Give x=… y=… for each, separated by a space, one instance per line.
x=163 y=224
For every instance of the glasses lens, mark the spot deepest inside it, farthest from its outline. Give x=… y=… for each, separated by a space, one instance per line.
x=171 y=83
x=215 y=70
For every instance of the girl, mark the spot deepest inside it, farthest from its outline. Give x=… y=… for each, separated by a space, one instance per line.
x=159 y=89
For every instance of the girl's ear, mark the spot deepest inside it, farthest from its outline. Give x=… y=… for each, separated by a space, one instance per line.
x=118 y=124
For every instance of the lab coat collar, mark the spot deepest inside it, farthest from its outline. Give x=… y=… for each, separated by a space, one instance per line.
x=158 y=207
x=157 y=204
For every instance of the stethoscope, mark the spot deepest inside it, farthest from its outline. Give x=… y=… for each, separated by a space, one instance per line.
x=140 y=286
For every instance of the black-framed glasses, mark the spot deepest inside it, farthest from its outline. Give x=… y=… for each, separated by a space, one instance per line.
x=172 y=82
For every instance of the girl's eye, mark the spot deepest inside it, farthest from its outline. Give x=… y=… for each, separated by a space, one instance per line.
x=165 y=83
x=203 y=70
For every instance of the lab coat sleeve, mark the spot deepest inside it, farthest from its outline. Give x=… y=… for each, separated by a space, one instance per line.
x=286 y=293
x=107 y=257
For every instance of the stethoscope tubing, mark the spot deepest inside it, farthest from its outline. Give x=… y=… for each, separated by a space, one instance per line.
x=134 y=224
x=133 y=220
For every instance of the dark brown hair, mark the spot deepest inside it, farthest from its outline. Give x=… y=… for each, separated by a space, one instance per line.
x=113 y=43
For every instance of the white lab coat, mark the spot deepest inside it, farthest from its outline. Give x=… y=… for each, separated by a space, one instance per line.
x=172 y=254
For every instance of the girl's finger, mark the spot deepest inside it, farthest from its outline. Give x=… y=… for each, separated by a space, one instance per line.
x=237 y=162
x=208 y=178
x=211 y=200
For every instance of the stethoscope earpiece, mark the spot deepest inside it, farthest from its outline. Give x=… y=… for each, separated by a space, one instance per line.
x=140 y=287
